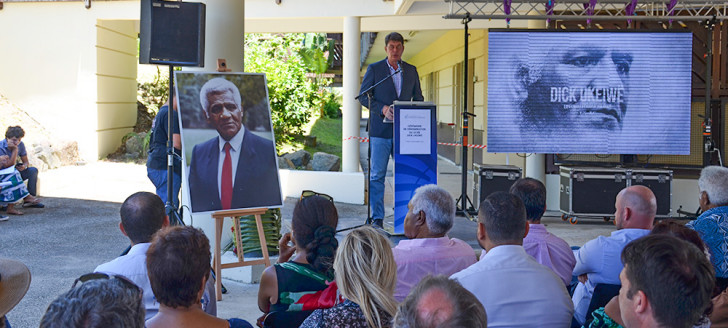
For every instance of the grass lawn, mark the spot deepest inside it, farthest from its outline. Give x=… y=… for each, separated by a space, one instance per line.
x=328 y=137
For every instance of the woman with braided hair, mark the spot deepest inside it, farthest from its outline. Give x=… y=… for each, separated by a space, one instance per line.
x=306 y=267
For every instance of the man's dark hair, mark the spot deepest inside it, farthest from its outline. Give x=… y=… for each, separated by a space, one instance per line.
x=102 y=303
x=675 y=229
x=14 y=132
x=394 y=36
x=142 y=215
x=504 y=217
x=314 y=228
x=178 y=260
x=533 y=194
x=676 y=277
x=467 y=311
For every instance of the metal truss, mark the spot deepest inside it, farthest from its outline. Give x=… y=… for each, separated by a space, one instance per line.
x=603 y=10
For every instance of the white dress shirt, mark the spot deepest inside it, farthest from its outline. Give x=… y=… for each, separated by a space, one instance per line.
x=235 y=144
x=517 y=291
x=134 y=266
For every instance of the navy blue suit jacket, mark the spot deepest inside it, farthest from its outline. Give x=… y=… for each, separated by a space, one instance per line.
x=385 y=94
x=256 y=178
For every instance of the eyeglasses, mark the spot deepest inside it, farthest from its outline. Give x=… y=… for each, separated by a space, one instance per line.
x=98 y=276
x=309 y=193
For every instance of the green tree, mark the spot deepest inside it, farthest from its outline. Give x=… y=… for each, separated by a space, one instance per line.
x=292 y=95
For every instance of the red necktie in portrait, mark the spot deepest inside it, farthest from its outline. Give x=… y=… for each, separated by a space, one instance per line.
x=226 y=190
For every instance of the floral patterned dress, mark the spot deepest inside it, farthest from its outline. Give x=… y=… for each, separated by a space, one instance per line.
x=346 y=314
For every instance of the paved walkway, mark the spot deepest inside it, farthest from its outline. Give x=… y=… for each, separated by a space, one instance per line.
x=79 y=230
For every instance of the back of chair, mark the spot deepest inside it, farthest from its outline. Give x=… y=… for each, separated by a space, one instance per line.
x=603 y=293
x=278 y=319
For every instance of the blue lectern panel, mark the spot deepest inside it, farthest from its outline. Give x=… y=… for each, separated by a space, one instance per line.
x=415 y=154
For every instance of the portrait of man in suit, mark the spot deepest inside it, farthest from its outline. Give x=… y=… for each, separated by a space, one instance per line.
x=236 y=168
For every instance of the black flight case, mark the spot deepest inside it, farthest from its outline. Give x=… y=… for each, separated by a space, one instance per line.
x=491 y=178
x=590 y=191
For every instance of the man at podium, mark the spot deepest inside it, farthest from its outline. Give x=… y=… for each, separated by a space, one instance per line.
x=404 y=85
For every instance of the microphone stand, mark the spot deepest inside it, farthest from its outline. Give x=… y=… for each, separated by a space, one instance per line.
x=369 y=92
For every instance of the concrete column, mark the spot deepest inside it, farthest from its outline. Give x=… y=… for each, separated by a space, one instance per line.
x=536 y=163
x=224 y=34
x=224 y=38
x=351 y=113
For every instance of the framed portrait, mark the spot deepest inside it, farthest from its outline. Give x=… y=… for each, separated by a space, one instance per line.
x=228 y=144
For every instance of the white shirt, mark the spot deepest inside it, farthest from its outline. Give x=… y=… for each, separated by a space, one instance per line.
x=517 y=291
x=235 y=143
x=134 y=266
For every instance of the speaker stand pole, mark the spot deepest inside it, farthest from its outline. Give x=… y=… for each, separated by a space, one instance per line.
x=466 y=205
x=169 y=206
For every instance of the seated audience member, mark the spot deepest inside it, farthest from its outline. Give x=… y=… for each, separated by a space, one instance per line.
x=666 y=282
x=365 y=275
x=13 y=147
x=545 y=247
x=429 y=251
x=515 y=290
x=609 y=316
x=14 y=283
x=597 y=262
x=712 y=225
x=440 y=302
x=313 y=228
x=100 y=301
x=14 y=190
x=178 y=263
x=142 y=215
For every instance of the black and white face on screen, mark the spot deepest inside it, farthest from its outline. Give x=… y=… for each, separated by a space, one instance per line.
x=589 y=92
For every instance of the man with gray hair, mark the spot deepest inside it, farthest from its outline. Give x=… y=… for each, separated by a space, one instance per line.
x=712 y=225
x=101 y=302
x=515 y=290
x=429 y=251
x=236 y=169
x=437 y=302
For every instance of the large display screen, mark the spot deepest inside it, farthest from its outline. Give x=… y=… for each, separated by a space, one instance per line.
x=594 y=92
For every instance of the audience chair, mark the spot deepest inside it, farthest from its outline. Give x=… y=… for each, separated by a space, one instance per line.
x=603 y=293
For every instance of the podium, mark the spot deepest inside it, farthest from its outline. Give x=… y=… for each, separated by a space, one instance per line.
x=415 y=153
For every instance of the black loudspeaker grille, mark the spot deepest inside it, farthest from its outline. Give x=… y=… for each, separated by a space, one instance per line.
x=172 y=33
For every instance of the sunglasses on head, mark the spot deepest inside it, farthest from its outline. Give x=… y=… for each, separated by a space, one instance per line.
x=309 y=193
x=99 y=276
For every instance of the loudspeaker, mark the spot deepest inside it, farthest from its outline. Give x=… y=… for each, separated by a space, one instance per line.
x=172 y=33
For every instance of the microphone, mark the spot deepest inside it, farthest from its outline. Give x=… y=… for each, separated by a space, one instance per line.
x=399 y=65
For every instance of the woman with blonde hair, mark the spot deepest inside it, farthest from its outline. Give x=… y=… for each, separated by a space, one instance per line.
x=366 y=275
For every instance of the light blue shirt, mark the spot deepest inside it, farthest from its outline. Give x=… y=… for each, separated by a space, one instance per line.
x=517 y=291
x=133 y=266
x=712 y=226
x=601 y=260
x=396 y=78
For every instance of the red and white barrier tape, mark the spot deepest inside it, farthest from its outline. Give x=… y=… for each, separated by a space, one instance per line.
x=439 y=143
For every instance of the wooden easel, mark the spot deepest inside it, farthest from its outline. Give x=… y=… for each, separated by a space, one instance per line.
x=219 y=217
